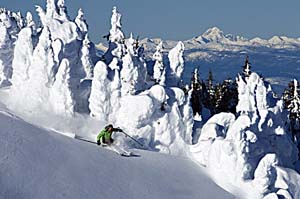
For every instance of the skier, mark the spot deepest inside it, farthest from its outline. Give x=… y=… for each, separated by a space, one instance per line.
x=104 y=136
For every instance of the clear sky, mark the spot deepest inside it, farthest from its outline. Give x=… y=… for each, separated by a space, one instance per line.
x=183 y=19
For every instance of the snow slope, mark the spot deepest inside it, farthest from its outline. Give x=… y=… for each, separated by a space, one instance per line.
x=37 y=163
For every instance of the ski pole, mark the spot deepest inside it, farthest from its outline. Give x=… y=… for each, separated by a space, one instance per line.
x=132 y=138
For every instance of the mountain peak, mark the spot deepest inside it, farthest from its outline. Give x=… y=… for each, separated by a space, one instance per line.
x=213 y=34
x=213 y=31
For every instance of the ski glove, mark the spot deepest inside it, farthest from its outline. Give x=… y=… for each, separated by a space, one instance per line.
x=119 y=130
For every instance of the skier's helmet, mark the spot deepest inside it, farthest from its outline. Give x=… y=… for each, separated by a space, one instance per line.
x=109 y=126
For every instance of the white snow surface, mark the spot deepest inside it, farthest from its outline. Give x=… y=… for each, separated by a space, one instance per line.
x=58 y=83
x=38 y=163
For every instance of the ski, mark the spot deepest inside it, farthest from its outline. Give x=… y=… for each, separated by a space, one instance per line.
x=118 y=150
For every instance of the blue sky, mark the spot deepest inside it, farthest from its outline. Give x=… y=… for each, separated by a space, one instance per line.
x=183 y=19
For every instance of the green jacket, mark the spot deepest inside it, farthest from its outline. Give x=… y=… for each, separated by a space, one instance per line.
x=105 y=134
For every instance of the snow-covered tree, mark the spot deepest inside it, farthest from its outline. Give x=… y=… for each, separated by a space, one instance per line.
x=188 y=121
x=9 y=29
x=12 y=21
x=6 y=57
x=133 y=74
x=62 y=10
x=158 y=68
x=176 y=64
x=130 y=45
x=226 y=96
x=247 y=67
x=22 y=58
x=115 y=95
x=99 y=101
x=116 y=38
x=129 y=75
x=85 y=57
x=30 y=23
x=19 y=18
x=115 y=33
x=209 y=82
x=41 y=71
x=81 y=22
x=291 y=97
x=60 y=93
x=51 y=10
x=196 y=93
x=42 y=14
x=295 y=101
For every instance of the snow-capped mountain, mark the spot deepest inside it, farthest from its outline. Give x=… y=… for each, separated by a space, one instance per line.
x=215 y=38
x=277 y=58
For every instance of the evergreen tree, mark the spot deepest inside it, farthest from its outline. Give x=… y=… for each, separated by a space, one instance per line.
x=226 y=95
x=196 y=94
x=291 y=97
x=210 y=81
x=247 y=67
x=210 y=99
x=158 y=68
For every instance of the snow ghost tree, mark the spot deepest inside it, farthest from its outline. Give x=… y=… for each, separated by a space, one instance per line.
x=30 y=23
x=10 y=24
x=115 y=95
x=85 y=58
x=187 y=113
x=39 y=56
x=253 y=143
x=129 y=75
x=176 y=65
x=99 y=102
x=134 y=71
x=159 y=68
x=22 y=58
x=6 y=57
x=60 y=93
x=12 y=21
x=62 y=10
x=81 y=22
x=116 y=34
x=116 y=38
x=40 y=72
x=130 y=45
x=51 y=9
x=133 y=74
